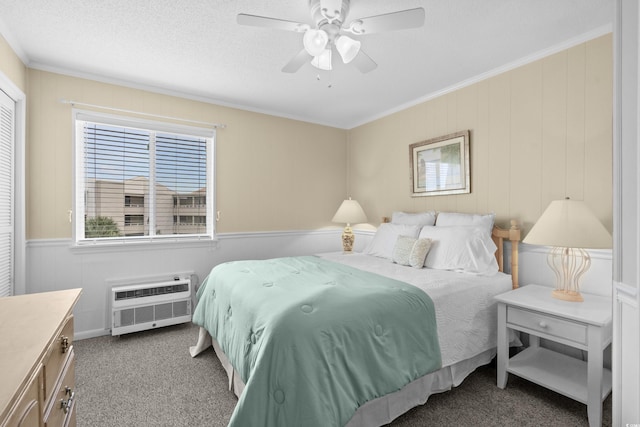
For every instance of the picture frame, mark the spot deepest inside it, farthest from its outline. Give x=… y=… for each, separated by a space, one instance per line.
x=440 y=166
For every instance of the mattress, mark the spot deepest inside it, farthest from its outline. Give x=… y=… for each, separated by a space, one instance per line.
x=466 y=325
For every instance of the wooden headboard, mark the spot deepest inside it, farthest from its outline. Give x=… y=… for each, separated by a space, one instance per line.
x=499 y=235
x=513 y=235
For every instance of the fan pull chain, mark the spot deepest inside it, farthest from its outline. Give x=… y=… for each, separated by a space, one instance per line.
x=329 y=85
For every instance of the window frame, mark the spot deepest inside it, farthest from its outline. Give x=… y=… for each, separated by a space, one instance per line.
x=79 y=117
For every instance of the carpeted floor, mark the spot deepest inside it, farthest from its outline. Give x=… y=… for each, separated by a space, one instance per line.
x=149 y=379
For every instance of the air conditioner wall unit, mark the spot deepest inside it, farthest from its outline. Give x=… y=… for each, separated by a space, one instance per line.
x=141 y=306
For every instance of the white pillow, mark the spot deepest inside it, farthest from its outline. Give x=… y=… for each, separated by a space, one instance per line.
x=422 y=218
x=411 y=251
x=386 y=237
x=461 y=248
x=455 y=218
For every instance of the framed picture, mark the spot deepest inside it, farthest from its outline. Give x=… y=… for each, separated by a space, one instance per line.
x=440 y=166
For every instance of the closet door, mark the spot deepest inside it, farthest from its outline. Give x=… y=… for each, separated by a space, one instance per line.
x=7 y=161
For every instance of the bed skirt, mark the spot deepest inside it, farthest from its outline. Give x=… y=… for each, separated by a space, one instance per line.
x=384 y=409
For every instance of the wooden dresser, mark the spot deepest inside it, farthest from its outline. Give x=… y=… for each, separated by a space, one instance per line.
x=37 y=359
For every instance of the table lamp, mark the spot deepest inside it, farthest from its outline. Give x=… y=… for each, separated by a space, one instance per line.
x=349 y=212
x=569 y=227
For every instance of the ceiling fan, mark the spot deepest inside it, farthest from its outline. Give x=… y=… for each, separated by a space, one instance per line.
x=330 y=32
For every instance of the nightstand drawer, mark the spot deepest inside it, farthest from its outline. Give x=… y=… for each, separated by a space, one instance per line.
x=554 y=326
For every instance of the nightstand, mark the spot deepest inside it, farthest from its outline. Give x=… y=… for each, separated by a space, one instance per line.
x=583 y=325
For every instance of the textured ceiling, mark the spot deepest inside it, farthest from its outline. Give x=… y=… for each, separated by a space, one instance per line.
x=195 y=48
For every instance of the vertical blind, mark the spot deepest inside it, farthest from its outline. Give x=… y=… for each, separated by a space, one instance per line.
x=7 y=135
x=143 y=182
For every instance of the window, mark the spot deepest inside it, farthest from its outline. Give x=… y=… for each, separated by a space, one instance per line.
x=134 y=201
x=133 y=177
x=133 y=220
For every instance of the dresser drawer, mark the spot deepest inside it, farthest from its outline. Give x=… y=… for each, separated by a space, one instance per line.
x=26 y=411
x=550 y=325
x=56 y=358
x=36 y=333
x=62 y=406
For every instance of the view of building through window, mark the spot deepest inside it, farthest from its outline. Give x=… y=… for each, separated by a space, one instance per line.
x=141 y=182
x=183 y=215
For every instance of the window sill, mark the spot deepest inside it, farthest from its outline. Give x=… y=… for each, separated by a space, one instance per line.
x=137 y=245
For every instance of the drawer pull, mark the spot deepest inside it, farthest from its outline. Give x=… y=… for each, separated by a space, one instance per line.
x=543 y=324
x=65 y=405
x=64 y=343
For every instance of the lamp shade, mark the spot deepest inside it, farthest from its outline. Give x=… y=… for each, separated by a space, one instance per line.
x=348 y=48
x=569 y=224
x=315 y=41
x=322 y=61
x=350 y=212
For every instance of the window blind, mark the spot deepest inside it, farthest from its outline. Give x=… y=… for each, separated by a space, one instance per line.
x=142 y=182
x=181 y=166
x=7 y=135
x=116 y=166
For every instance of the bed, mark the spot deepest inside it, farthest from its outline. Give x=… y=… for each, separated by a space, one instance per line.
x=358 y=339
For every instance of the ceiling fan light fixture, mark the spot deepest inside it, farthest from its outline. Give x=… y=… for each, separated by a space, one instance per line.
x=322 y=61
x=348 y=48
x=315 y=41
x=329 y=17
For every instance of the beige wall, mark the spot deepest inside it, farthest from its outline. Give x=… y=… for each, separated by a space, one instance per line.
x=11 y=66
x=272 y=173
x=540 y=132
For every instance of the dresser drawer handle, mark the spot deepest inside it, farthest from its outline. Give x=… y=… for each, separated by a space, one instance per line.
x=64 y=343
x=65 y=405
x=543 y=324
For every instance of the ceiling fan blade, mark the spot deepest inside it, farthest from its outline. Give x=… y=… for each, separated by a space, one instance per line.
x=279 y=24
x=296 y=62
x=410 y=18
x=364 y=63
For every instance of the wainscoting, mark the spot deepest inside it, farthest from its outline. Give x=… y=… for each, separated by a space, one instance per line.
x=534 y=269
x=56 y=264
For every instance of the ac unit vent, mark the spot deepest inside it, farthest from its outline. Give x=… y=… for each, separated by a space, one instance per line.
x=148 y=292
x=144 y=306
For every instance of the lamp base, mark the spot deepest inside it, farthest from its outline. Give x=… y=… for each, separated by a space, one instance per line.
x=569 y=265
x=573 y=296
x=347 y=240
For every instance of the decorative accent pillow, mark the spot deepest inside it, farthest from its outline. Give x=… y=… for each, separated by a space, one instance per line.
x=419 y=253
x=411 y=251
x=461 y=248
x=454 y=218
x=422 y=218
x=402 y=250
x=386 y=237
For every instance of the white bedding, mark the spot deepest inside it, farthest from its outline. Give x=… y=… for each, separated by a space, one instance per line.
x=466 y=314
x=465 y=310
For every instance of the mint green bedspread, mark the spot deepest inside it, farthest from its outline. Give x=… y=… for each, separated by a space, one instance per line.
x=313 y=340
